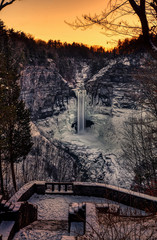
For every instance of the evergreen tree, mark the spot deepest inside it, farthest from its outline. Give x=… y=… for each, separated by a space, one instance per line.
x=3 y=114
x=15 y=138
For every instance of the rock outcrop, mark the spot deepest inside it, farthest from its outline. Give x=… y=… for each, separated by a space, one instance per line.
x=58 y=152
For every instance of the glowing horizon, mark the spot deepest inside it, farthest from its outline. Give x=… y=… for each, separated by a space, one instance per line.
x=44 y=20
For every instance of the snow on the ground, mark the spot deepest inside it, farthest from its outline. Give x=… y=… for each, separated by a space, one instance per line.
x=99 y=148
x=55 y=207
x=38 y=235
x=102 y=139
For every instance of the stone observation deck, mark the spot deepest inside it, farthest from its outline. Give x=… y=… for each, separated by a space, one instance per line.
x=59 y=188
x=77 y=206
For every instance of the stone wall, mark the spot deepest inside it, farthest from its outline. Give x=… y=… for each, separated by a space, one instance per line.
x=26 y=215
x=127 y=197
x=28 y=190
x=22 y=214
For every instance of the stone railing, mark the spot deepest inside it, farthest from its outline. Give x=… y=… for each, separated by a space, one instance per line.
x=120 y=195
x=117 y=194
x=58 y=188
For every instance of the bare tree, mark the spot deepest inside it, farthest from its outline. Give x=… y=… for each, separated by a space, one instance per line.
x=122 y=227
x=140 y=134
x=140 y=152
x=148 y=86
x=113 y=19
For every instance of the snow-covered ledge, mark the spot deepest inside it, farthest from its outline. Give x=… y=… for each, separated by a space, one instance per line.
x=121 y=195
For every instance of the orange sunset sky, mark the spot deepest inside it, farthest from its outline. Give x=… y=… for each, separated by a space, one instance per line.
x=44 y=19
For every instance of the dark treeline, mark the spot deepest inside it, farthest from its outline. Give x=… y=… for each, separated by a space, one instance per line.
x=33 y=51
x=28 y=51
x=129 y=46
x=37 y=52
x=133 y=45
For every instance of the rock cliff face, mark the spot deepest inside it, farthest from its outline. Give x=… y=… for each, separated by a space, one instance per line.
x=59 y=153
x=44 y=91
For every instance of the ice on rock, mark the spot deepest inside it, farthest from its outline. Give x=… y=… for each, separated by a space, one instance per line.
x=53 y=104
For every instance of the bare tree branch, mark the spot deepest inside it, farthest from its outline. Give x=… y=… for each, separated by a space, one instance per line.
x=3 y=3
x=113 y=19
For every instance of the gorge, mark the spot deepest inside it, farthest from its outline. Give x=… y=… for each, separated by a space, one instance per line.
x=60 y=152
x=78 y=100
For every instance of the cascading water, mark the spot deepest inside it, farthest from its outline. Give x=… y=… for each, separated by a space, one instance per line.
x=81 y=110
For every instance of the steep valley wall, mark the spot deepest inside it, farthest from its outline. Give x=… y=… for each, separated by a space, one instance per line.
x=59 y=153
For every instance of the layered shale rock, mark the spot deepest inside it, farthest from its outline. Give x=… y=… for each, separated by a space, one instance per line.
x=111 y=95
x=44 y=91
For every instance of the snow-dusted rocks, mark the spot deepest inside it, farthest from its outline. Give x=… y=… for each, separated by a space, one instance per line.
x=42 y=89
x=58 y=152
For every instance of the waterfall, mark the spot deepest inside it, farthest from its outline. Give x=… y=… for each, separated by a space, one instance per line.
x=81 y=110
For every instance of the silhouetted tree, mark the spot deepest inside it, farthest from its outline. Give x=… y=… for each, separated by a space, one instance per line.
x=113 y=22
x=4 y=3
